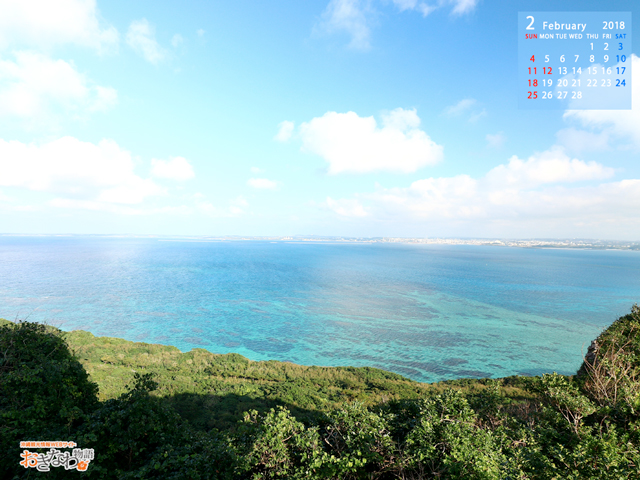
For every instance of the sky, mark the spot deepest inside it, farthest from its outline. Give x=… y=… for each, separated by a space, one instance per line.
x=359 y=118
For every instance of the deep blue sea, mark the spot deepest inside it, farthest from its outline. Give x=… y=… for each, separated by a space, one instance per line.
x=429 y=312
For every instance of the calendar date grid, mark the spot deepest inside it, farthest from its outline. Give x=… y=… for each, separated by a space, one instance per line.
x=567 y=62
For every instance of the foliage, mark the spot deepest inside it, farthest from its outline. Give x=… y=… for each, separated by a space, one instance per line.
x=44 y=390
x=359 y=442
x=565 y=397
x=610 y=374
x=212 y=390
x=446 y=441
x=279 y=420
x=276 y=445
x=127 y=430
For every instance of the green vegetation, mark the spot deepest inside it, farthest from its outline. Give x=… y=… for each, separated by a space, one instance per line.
x=154 y=412
x=210 y=390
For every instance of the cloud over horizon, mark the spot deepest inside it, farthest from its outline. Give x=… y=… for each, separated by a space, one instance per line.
x=524 y=195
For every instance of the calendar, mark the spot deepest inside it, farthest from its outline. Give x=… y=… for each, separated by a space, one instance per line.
x=574 y=60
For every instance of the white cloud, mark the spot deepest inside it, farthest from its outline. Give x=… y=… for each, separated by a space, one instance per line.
x=421 y=7
x=46 y=23
x=34 y=87
x=72 y=204
x=354 y=17
x=405 y=4
x=550 y=166
x=238 y=204
x=459 y=108
x=141 y=37
x=198 y=204
x=119 y=209
x=349 y=16
x=200 y=32
x=466 y=106
x=176 y=168
x=401 y=119
x=431 y=197
x=104 y=99
x=474 y=117
x=285 y=130
x=5 y=198
x=356 y=144
x=534 y=197
x=623 y=124
x=426 y=9
x=75 y=171
x=580 y=141
x=346 y=207
x=459 y=7
x=262 y=183
x=495 y=140
x=235 y=208
x=177 y=40
x=257 y=170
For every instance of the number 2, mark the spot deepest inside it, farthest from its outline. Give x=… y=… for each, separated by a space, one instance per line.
x=530 y=26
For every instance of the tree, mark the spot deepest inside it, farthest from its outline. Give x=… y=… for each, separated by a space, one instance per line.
x=45 y=393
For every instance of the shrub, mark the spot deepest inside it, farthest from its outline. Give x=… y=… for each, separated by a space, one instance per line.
x=276 y=445
x=447 y=442
x=610 y=373
x=359 y=443
x=45 y=392
x=126 y=432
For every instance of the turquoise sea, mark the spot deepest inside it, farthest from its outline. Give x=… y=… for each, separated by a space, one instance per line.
x=425 y=311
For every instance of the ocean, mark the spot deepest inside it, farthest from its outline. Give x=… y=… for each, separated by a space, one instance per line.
x=429 y=312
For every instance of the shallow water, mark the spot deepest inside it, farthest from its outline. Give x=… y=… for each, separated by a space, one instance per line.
x=430 y=312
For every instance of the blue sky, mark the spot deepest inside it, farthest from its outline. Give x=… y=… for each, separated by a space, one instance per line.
x=341 y=117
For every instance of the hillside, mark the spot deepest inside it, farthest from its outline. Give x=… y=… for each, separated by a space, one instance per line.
x=212 y=390
x=154 y=412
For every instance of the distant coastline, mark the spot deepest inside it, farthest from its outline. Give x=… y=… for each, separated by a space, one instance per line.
x=573 y=243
